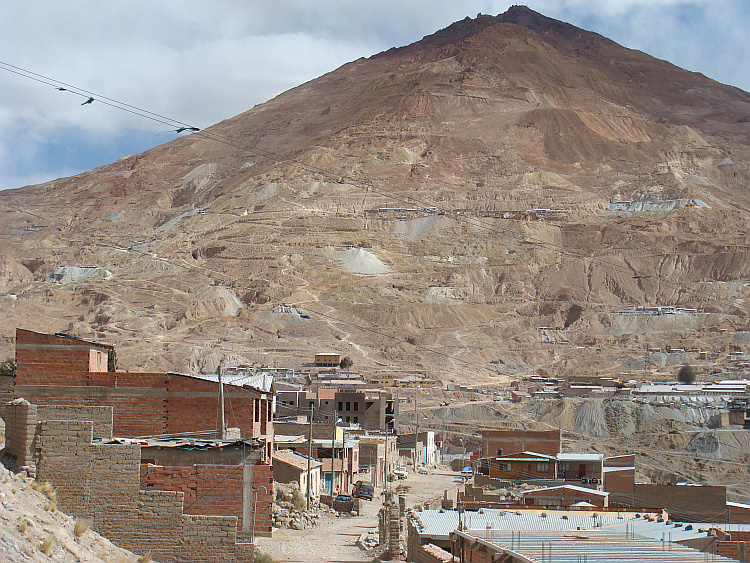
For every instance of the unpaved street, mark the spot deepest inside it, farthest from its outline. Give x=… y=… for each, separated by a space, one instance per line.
x=334 y=539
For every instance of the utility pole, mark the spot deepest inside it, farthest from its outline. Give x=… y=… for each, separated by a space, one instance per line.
x=223 y=428
x=416 y=433
x=333 y=450
x=344 y=461
x=309 y=458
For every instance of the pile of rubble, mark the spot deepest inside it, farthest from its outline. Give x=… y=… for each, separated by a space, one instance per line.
x=290 y=511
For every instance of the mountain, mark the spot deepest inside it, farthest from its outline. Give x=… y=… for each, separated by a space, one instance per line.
x=442 y=208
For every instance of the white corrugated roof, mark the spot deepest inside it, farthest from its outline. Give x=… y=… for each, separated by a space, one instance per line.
x=573 y=487
x=439 y=524
x=580 y=457
x=592 y=546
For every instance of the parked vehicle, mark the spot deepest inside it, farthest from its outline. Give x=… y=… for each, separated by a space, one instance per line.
x=344 y=498
x=401 y=472
x=364 y=490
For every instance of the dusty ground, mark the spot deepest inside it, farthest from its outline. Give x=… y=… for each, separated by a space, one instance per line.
x=334 y=539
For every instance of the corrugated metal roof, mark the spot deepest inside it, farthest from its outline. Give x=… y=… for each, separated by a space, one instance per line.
x=183 y=443
x=294 y=459
x=579 y=457
x=592 y=546
x=261 y=381
x=439 y=524
x=606 y=469
x=583 y=490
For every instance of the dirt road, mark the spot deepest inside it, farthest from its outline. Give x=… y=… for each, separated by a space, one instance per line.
x=334 y=539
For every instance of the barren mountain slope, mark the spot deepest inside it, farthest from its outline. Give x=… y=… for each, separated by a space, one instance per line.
x=518 y=130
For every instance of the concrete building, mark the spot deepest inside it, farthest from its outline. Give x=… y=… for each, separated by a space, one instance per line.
x=289 y=467
x=370 y=409
x=522 y=536
x=327 y=359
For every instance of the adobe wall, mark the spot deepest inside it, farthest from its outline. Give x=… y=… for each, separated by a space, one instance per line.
x=20 y=431
x=7 y=389
x=21 y=427
x=101 y=483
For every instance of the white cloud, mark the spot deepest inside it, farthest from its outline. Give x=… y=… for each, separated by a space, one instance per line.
x=201 y=62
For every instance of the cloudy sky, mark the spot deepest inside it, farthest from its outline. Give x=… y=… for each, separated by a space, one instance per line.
x=199 y=62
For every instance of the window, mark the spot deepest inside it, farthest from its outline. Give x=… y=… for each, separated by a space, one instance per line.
x=503 y=466
x=356 y=406
x=341 y=406
x=356 y=419
x=542 y=467
x=348 y=406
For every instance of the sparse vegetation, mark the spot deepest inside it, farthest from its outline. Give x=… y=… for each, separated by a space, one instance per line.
x=47 y=546
x=8 y=367
x=80 y=527
x=298 y=500
x=23 y=526
x=261 y=557
x=145 y=558
x=346 y=362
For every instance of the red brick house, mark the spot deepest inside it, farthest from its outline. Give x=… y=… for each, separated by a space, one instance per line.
x=566 y=496
x=524 y=466
x=496 y=443
x=63 y=370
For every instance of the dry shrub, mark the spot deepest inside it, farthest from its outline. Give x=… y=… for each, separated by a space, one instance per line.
x=261 y=557
x=50 y=507
x=52 y=495
x=47 y=546
x=145 y=558
x=23 y=526
x=80 y=527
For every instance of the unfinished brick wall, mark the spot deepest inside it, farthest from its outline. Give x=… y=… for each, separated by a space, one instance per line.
x=515 y=441
x=734 y=550
x=428 y=553
x=101 y=482
x=221 y=490
x=7 y=389
x=53 y=370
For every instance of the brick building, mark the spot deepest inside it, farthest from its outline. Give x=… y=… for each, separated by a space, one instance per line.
x=190 y=513
x=496 y=443
x=63 y=370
